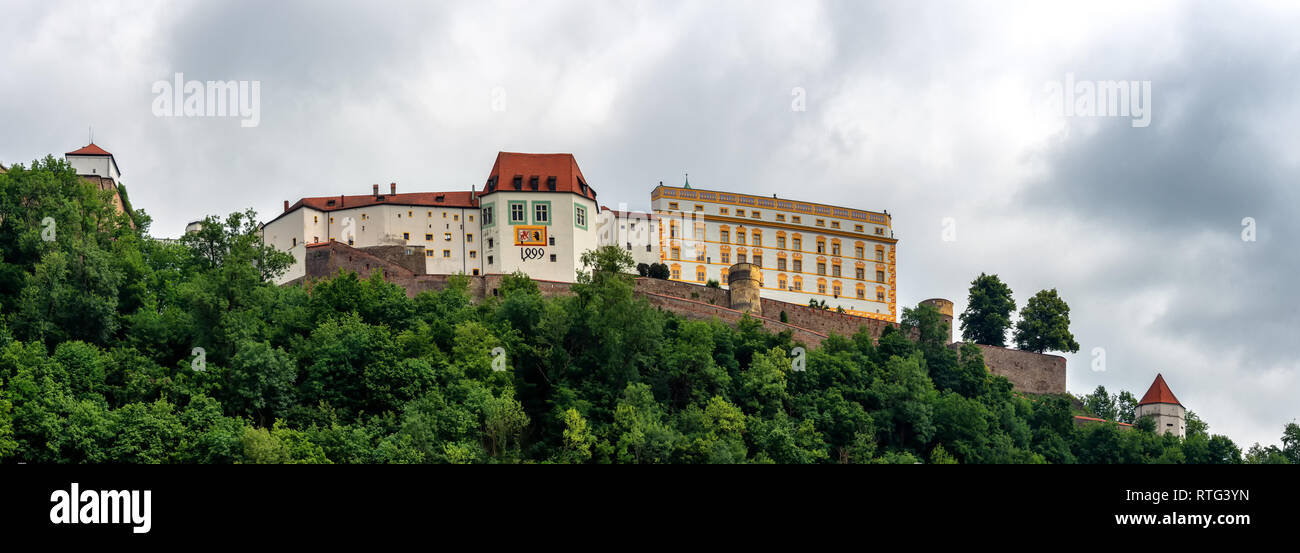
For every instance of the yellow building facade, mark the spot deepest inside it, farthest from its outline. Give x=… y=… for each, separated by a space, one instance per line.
x=802 y=251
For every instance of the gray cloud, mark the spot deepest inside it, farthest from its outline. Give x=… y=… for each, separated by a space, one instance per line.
x=929 y=111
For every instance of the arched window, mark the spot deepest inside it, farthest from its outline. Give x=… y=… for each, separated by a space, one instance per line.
x=699 y=273
x=677 y=271
x=836 y=288
x=835 y=246
x=780 y=281
x=821 y=286
x=862 y=291
x=798 y=283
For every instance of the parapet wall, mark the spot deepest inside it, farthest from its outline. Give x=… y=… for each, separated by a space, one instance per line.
x=1036 y=373
x=1028 y=372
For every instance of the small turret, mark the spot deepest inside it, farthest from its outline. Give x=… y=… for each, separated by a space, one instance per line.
x=1160 y=404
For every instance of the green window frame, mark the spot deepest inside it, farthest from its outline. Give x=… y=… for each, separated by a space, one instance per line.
x=523 y=212
x=580 y=216
x=489 y=215
x=550 y=213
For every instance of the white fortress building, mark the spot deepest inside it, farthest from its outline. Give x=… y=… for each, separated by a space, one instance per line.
x=537 y=214
x=1160 y=404
x=806 y=251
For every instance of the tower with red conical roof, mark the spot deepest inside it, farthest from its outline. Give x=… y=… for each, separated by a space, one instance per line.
x=1160 y=404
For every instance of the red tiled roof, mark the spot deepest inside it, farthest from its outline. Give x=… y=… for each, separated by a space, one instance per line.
x=89 y=150
x=1159 y=393
x=423 y=199
x=1094 y=419
x=568 y=177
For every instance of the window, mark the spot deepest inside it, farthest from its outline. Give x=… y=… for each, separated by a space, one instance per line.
x=821 y=222
x=455 y=217
x=821 y=267
x=857 y=252
x=795 y=219
x=699 y=253
x=835 y=248
x=475 y=272
x=740 y=213
x=758 y=239
x=331 y=220
x=862 y=292
x=430 y=213
x=835 y=270
x=861 y=273
x=740 y=258
x=835 y=289
x=880 y=276
x=473 y=254
x=880 y=255
x=796 y=243
x=758 y=260
x=699 y=231
x=724 y=236
x=754 y=214
x=406 y=236
x=740 y=237
x=551 y=240
x=724 y=277
x=726 y=260
x=489 y=260
x=428 y=253
x=447 y=237
x=580 y=217
x=780 y=242
x=780 y=282
x=677 y=253
x=471 y=218
x=821 y=246
x=552 y=258
x=880 y=231
x=722 y=211
x=699 y=271
x=780 y=263
x=672 y=229
x=315 y=219
x=821 y=287
x=469 y=237
x=490 y=241
x=295 y=242
x=672 y=205
x=797 y=266
x=428 y=237
x=446 y=253
x=835 y=224
x=541 y=213
x=677 y=272
x=517 y=213
x=780 y=216
x=857 y=228
x=699 y=207
x=880 y=296
x=408 y=214
x=798 y=283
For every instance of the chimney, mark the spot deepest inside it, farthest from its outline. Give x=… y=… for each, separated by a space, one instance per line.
x=286 y=205
x=375 y=188
x=392 y=188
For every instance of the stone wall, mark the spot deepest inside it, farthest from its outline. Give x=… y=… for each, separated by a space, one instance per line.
x=1036 y=373
x=715 y=296
x=698 y=310
x=822 y=320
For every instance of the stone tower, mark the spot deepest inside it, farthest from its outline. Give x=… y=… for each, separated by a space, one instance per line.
x=1160 y=404
x=945 y=312
x=744 y=289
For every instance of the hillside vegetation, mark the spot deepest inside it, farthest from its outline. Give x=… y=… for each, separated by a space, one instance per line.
x=118 y=348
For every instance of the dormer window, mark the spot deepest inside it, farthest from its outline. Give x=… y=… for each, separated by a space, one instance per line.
x=329 y=203
x=550 y=183
x=519 y=182
x=532 y=182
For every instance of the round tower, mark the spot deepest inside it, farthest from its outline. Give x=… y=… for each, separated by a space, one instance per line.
x=945 y=312
x=744 y=288
x=1160 y=404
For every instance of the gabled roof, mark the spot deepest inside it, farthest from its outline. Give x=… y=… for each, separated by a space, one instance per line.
x=1159 y=393
x=89 y=150
x=465 y=199
x=563 y=168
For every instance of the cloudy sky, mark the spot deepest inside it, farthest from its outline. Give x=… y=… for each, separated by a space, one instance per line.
x=941 y=113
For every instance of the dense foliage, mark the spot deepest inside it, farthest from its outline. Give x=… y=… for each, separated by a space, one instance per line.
x=118 y=348
x=988 y=311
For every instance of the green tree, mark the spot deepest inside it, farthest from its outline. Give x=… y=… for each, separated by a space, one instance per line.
x=1045 y=324
x=988 y=311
